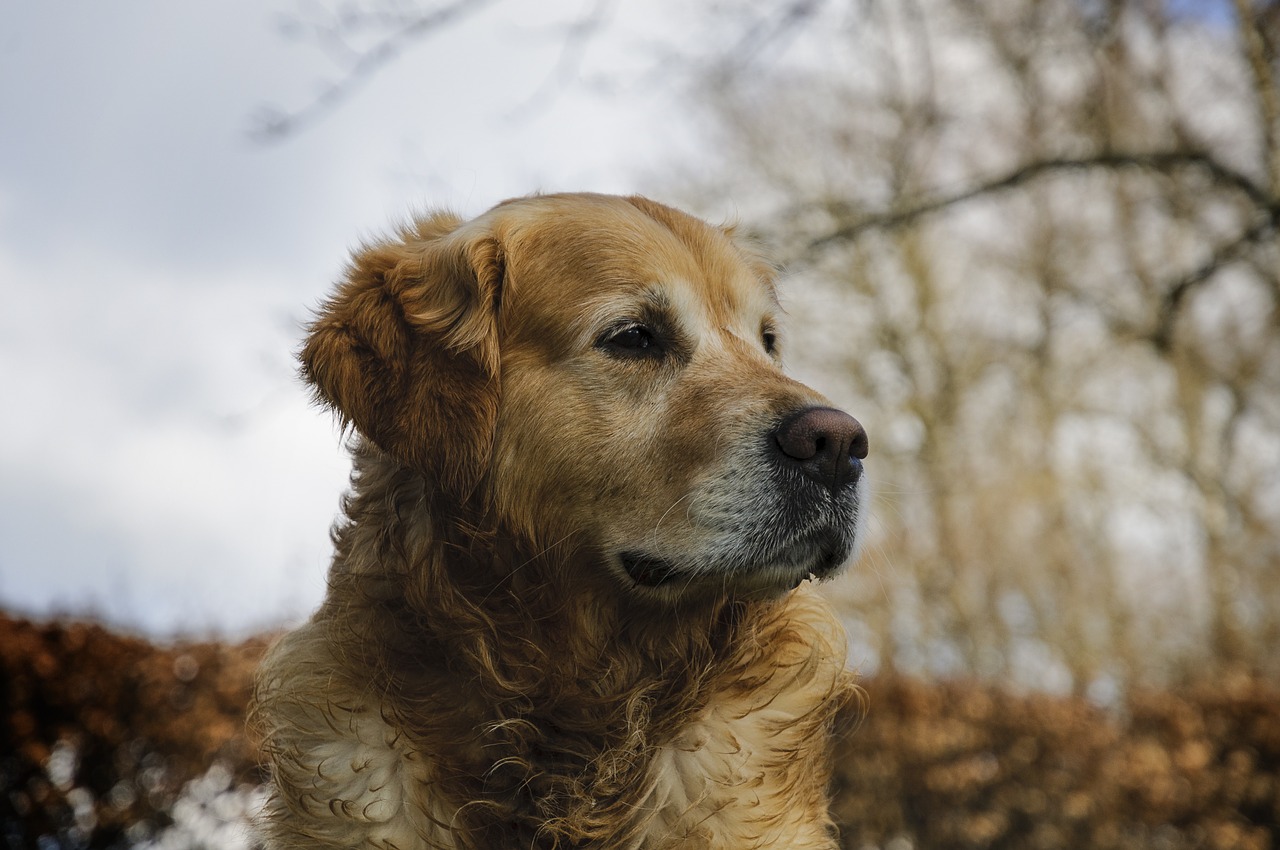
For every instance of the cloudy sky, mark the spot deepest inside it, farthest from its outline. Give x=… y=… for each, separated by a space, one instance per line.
x=159 y=464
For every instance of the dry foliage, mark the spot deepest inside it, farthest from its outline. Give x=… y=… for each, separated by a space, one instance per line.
x=930 y=766
x=99 y=732
x=968 y=765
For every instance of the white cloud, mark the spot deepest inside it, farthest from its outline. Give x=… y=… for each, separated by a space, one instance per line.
x=159 y=463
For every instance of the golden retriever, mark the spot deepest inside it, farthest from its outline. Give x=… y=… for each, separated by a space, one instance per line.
x=568 y=604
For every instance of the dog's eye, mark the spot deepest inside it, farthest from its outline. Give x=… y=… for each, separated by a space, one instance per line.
x=770 y=340
x=634 y=337
x=632 y=340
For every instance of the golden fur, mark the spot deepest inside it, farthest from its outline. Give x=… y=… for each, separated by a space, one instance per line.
x=563 y=607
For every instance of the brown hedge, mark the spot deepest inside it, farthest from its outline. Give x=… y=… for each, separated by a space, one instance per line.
x=950 y=765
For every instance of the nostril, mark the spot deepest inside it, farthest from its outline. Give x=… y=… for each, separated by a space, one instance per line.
x=861 y=445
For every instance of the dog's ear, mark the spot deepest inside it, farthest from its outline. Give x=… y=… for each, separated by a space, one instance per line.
x=754 y=255
x=406 y=349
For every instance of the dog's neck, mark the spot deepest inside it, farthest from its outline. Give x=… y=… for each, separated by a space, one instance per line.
x=559 y=668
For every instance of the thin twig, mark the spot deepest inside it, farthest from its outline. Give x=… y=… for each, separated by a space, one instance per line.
x=763 y=32
x=1162 y=162
x=1264 y=85
x=1176 y=293
x=273 y=124
x=578 y=36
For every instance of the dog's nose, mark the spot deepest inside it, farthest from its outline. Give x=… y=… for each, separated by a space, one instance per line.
x=828 y=445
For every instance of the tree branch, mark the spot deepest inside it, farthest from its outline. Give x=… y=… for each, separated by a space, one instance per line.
x=1264 y=85
x=1176 y=293
x=1161 y=335
x=573 y=49
x=274 y=124
x=764 y=32
x=1164 y=162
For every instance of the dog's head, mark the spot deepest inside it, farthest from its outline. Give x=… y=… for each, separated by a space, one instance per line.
x=602 y=374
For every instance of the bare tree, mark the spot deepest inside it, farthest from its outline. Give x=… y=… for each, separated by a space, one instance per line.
x=363 y=38
x=1035 y=243
x=1048 y=233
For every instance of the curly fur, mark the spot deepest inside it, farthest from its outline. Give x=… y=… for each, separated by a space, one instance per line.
x=477 y=677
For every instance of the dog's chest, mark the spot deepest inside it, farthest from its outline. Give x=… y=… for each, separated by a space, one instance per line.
x=730 y=780
x=721 y=782
x=703 y=781
x=367 y=787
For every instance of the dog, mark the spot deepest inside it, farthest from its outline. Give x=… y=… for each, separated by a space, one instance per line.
x=571 y=601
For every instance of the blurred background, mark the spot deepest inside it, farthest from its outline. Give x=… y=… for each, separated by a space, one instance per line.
x=1031 y=244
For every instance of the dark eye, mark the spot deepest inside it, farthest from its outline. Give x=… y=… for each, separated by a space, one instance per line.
x=633 y=340
x=770 y=340
x=635 y=337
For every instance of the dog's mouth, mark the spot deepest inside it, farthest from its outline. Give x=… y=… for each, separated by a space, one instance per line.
x=650 y=571
x=812 y=558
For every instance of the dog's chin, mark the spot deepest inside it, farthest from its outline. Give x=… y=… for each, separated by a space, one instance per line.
x=811 y=560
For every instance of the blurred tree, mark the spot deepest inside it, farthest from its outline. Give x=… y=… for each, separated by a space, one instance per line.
x=1038 y=243
x=1041 y=236
x=364 y=37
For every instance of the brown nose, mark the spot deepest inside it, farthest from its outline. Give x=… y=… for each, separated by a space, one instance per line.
x=827 y=445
